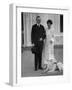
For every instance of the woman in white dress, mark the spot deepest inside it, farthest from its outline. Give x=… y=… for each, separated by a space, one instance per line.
x=48 y=52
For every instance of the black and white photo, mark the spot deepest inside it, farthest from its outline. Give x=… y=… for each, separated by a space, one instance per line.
x=42 y=44
x=38 y=40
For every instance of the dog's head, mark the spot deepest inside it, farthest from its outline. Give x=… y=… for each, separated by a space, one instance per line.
x=44 y=66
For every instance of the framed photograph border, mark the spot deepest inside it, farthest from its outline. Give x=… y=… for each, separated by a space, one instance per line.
x=15 y=43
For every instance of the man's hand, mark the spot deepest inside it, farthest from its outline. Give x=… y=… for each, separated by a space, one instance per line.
x=32 y=44
x=41 y=39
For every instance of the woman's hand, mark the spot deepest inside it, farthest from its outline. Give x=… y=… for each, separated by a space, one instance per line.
x=51 y=41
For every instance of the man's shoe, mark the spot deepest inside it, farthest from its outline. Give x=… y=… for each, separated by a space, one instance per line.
x=35 y=69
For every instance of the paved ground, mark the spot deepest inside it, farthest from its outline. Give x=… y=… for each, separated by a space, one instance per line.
x=28 y=64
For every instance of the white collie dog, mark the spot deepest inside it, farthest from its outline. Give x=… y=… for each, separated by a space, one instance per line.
x=53 y=65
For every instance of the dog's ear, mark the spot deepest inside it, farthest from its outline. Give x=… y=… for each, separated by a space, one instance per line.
x=44 y=66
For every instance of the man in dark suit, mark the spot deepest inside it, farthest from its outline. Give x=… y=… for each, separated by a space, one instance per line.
x=37 y=37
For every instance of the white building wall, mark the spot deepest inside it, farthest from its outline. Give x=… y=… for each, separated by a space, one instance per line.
x=30 y=19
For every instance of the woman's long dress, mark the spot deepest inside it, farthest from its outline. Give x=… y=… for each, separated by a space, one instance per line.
x=48 y=50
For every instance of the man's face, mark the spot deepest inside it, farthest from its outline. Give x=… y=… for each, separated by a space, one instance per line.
x=38 y=20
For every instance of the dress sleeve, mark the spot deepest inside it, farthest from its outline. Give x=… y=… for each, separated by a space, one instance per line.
x=44 y=33
x=53 y=32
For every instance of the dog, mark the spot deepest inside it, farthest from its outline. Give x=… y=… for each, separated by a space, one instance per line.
x=52 y=65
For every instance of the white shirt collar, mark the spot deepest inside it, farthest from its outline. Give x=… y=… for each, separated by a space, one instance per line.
x=38 y=24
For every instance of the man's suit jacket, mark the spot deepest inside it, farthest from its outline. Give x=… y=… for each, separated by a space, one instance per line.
x=37 y=33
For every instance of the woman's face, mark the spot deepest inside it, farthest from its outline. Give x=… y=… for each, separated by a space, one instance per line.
x=49 y=25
